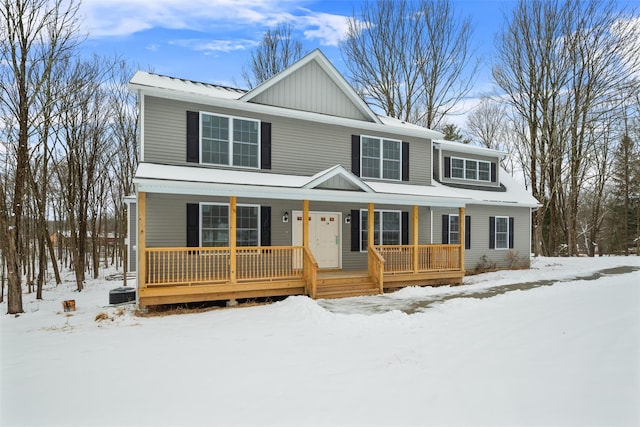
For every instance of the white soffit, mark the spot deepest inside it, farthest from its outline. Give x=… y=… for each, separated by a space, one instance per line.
x=154 y=178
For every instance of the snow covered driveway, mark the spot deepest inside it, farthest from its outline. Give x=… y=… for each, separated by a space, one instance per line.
x=566 y=354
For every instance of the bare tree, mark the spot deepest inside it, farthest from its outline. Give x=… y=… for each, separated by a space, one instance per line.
x=411 y=59
x=34 y=34
x=565 y=66
x=487 y=124
x=124 y=114
x=277 y=50
x=84 y=152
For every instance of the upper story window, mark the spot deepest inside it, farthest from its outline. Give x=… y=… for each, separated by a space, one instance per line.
x=474 y=170
x=231 y=141
x=381 y=158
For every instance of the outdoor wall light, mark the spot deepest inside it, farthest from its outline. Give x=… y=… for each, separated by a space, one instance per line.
x=285 y=217
x=347 y=219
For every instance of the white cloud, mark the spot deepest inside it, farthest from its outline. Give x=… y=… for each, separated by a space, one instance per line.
x=327 y=28
x=108 y=18
x=215 y=45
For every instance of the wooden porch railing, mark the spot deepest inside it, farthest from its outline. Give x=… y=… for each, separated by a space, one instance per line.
x=269 y=262
x=186 y=266
x=399 y=259
x=438 y=257
x=376 y=267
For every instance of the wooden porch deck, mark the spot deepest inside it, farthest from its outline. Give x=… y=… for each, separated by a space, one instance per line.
x=184 y=275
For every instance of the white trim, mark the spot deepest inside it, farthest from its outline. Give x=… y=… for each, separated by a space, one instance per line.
x=459 y=147
x=381 y=161
x=336 y=170
x=431 y=225
x=230 y=140
x=317 y=56
x=287 y=193
x=141 y=124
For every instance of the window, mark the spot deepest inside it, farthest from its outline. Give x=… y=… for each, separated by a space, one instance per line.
x=215 y=225
x=229 y=141
x=214 y=229
x=475 y=170
x=471 y=169
x=484 y=171
x=380 y=158
x=389 y=222
x=454 y=230
x=457 y=168
x=502 y=232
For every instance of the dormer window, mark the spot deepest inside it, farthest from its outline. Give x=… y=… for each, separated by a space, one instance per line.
x=474 y=170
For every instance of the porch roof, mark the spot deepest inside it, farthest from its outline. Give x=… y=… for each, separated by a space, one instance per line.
x=171 y=179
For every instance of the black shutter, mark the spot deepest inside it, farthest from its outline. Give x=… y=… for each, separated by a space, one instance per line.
x=265 y=226
x=447 y=167
x=193 y=225
x=265 y=145
x=355 y=231
x=445 y=229
x=467 y=232
x=492 y=232
x=405 y=161
x=355 y=155
x=193 y=137
x=511 y=222
x=494 y=175
x=405 y=228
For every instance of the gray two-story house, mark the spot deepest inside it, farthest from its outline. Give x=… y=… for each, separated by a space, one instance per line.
x=298 y=187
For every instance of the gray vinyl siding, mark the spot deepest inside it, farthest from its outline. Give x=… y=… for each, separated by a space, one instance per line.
x=298 y=147
x=323 y=96
x=480 y=235
x=132 y=213
x=166 y=227
x=494 y=160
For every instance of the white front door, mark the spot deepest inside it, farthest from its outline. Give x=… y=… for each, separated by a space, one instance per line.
x=325 y=237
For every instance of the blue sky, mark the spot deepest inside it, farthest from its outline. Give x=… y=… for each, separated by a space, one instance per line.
x=210 y=40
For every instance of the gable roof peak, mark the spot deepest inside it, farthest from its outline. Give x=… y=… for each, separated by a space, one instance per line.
x=319 y=58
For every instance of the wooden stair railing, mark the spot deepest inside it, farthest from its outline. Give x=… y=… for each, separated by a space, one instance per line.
x=376 y=267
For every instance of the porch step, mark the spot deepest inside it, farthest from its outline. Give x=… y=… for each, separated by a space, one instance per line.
x=346 y=287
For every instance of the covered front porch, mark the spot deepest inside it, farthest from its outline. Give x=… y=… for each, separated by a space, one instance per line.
x=168 y=275
x=350 y=217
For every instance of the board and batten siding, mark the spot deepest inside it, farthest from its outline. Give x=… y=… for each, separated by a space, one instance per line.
x=298 y=147
x=493 y=160
x=132 y=247
x=167 y=226
x=324 y=96
x=480 y=235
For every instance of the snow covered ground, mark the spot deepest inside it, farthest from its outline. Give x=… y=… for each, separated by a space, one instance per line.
x=481 y=354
